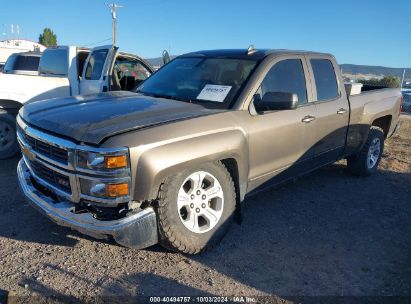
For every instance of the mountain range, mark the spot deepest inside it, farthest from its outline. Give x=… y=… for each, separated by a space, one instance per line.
x=355 y=69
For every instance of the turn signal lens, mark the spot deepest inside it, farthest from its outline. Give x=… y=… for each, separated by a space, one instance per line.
x=114 y=190
x=113 y=162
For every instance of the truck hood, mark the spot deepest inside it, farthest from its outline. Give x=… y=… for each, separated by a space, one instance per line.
x=92 y=118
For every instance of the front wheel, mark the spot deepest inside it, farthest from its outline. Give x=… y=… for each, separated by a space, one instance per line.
x=8 y=140
x=195 y=208
x=366 y=161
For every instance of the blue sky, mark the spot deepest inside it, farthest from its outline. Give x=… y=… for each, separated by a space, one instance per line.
x=359 y=32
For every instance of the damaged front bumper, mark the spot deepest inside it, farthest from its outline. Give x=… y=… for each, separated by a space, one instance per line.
x=138 y=230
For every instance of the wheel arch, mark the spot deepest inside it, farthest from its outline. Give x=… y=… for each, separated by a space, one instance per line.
x=154 y=165
x=384 y=123
x=240 y=190
x=8 y=105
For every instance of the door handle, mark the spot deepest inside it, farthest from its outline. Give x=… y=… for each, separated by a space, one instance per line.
x=341 y=111
x=308 y=119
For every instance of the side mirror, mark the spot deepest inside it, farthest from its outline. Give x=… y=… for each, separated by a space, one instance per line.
x=166 y=57
x=272 y=101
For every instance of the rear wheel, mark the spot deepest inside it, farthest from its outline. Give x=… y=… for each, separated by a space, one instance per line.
x=196 y=208
x=8 y=141
x=366 y=161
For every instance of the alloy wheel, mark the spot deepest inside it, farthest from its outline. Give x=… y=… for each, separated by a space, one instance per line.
x=200 y=202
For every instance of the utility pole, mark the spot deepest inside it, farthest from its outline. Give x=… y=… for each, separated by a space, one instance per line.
x=113 y=8
x=402 y=79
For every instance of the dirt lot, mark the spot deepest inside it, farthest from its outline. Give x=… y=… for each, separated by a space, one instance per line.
x=327 y=233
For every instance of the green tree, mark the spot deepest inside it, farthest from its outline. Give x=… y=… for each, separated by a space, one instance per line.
x=387 y=81
x=371 y=81
x=390 y=82
x=48 y=38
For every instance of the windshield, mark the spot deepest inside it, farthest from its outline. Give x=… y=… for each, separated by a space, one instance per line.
x=214 y=82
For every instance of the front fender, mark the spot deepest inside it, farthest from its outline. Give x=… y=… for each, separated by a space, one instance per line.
x=158 y=161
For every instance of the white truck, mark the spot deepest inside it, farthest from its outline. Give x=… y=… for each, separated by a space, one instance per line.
x=66 y=71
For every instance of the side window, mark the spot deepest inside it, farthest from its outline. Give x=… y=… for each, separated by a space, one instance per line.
x=134 y=68
x=286 y=76
x=54 y=62
x=325 y=79
x=127 y=74
x=95 y=64
x=81 y=62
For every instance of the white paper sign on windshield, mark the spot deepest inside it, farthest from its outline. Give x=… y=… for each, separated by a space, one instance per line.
x=214 y=92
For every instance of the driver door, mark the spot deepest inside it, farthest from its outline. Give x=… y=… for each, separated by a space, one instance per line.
x=280 y=141
x=96 y=70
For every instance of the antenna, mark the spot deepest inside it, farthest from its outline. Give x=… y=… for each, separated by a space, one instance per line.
x=113 y=9
x=251 y=49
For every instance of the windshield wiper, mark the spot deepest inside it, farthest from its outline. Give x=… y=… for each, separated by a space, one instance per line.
x=195 y=100
x=189 y=100
x=163 y=96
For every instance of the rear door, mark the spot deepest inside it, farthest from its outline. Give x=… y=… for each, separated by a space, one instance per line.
x=332 y=109
x=96 y=70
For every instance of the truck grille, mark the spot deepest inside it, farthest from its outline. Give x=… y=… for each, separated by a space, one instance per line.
x=56 y=179
x=55 y=153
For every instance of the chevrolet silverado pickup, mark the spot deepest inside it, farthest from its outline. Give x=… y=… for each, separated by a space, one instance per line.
x=61 y=74
x=173 y=163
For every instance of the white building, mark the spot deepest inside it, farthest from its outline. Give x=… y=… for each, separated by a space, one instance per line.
x=10 y=46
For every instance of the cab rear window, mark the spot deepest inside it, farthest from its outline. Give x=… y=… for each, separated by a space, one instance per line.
x=19 y=62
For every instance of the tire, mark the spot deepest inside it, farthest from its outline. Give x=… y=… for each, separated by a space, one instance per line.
x=366 y=161
x=189 y=219
x=9 y=146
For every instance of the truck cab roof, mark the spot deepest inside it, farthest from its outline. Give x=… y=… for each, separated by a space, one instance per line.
x=250 y=53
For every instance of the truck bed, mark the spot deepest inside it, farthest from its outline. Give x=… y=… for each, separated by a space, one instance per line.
x=365 y=108
x=35 y=87
x=374 y=101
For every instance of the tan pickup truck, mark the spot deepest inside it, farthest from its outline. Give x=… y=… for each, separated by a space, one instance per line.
x=172 y=161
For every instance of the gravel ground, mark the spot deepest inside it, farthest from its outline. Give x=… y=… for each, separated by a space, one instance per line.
x=327 y=233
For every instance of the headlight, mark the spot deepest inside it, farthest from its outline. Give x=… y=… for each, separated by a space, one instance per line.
x=108 y=174
x=104 y=189
x=102 y=161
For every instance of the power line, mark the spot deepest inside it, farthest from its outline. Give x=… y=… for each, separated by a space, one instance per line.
x=98 y=42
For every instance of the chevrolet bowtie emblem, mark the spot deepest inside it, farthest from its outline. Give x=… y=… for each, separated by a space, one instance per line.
x=26 y=151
